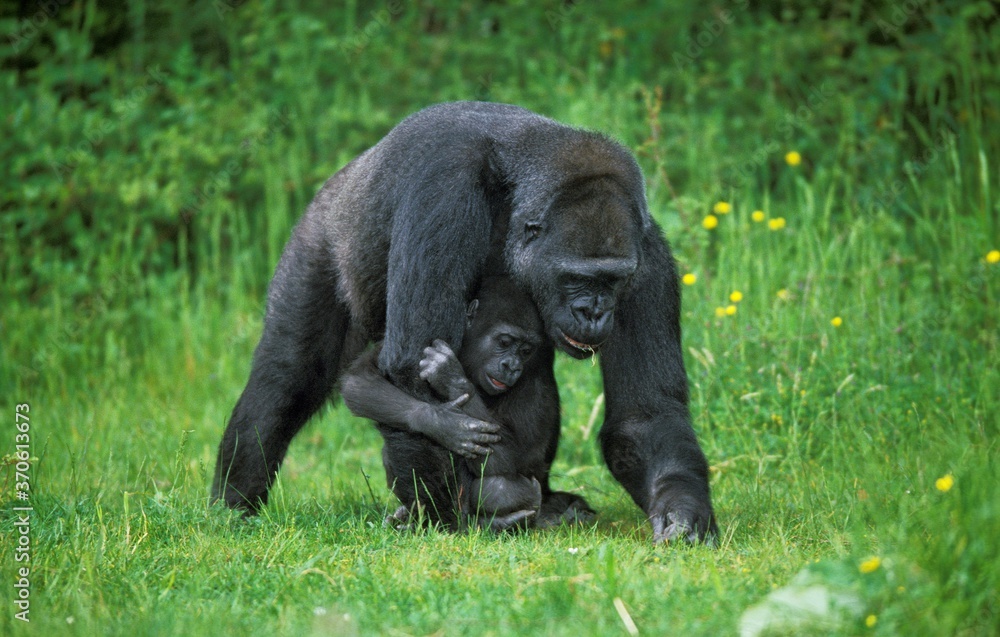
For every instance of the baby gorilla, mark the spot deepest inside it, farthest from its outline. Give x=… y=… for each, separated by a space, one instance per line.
x=503 y=375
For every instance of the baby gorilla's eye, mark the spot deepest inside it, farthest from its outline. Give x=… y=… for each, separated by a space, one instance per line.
x=526 y=351
x=505 y=341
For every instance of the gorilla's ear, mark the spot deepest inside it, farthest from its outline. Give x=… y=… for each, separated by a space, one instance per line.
x=643 y=209
x=635 y=192
x=532 y=230
x=470 y=313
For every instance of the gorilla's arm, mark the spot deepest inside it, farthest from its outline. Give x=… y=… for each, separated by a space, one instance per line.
x=647 y=438
x=443 y=372
x=369 y=394
x=441 y=231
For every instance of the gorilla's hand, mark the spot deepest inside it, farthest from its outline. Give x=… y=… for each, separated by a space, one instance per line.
x=676 y=513
x=447 y=425
x=442 y=371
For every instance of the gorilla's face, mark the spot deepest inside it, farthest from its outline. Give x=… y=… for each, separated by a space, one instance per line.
x=577 y=260
x=494 y=358
x=583 y=314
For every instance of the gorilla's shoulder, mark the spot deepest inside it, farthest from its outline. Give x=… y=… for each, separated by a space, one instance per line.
x=450 y=111
x=474 y=119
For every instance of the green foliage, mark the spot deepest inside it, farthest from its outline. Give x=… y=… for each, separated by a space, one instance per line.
x=155 y=159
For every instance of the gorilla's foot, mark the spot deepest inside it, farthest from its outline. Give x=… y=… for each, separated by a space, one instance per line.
x=564 y=508
x=399 y=519
x=515 y=521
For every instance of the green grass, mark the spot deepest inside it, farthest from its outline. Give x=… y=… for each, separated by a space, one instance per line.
x=132 y=295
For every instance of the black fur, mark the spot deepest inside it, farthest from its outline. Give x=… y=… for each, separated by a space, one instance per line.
x=503 y=375
x=393 y=246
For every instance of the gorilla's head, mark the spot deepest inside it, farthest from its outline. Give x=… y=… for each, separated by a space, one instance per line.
x=576 y=258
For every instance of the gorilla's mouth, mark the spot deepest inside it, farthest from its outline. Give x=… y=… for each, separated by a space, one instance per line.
x=583 y=348
x=497 y=384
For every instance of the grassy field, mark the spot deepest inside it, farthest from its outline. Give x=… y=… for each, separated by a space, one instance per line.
x=828 y=173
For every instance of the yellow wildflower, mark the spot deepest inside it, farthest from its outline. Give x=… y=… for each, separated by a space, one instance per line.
x=993 y=256
x=871 y=620
x=945 y=482
x=720 y=312
x=722 y=208
x=730 y=310
x=836 y=321
x=736 y=296
x=793 y=158
x=689 y=278
x=710 y=222
x=783 y=294
x=757 y=215
x=776 y=224
x=870 y=565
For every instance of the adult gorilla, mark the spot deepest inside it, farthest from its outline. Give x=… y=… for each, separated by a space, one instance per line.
x=392 y=247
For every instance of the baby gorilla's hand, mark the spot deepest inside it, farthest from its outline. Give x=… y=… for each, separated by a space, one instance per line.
x=442 y=371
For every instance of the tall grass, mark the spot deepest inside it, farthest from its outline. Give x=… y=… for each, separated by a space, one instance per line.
x=133 y=287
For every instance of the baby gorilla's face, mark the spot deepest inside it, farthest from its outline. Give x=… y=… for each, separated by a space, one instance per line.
x=495 y=359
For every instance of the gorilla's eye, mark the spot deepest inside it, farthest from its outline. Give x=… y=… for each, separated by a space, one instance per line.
x=526 y=351
x=532 y=230
x=505 y=341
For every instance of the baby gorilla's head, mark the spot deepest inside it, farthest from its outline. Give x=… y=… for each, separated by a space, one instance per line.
x=503 y=331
